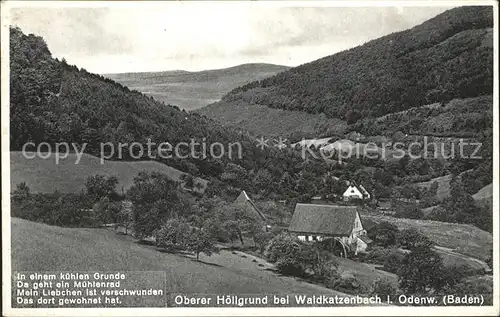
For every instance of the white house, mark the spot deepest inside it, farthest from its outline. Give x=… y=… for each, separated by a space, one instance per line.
x=312 y=222
x=356 y=192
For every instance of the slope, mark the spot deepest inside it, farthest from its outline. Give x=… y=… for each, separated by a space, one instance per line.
x=449 y=56
x=193 y=90
x=39 y=247
x=461 y=238
x=45 y=176
x=54 y=102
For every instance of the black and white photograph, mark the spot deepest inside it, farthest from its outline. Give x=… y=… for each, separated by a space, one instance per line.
x=249 y=158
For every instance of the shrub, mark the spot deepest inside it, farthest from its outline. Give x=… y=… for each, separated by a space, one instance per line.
x=346 y=282
x=282 y=245
x=330 y=273
x=384 y=234
x=21 y=193
x=290 y=266
x=383 y=287
x=412 y=239
x=393 y=260
x=379 y=255
x=472 y=285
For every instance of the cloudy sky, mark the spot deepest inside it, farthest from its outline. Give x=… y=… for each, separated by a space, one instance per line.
x=195 y=36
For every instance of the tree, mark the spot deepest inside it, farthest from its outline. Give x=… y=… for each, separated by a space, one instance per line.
x=318 y=260
x=232 y=230
x=99 y=186
x=412 y=239
x=215 y=229
x=238 y=220
x=282 y=245
x=384 y=234
x=261 y=239
x=125 y=218
x=188 y=180
x=173 y=234
x=420 y=272
x=106 y=210
x=201 y=242
x=155 y=199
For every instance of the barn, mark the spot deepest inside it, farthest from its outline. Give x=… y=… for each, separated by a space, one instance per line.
x=312 y=222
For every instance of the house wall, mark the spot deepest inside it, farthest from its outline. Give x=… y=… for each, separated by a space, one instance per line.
x=360 y=246
x=310 y=238
x=356 y=231
x=352 y=193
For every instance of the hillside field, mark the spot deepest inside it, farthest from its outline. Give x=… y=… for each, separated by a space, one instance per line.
x=39 y=247
x=461 y=238
x=264 y=121
x=45 y=176
x=443 y=190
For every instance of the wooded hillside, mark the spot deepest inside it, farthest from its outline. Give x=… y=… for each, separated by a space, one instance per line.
x=449 y=56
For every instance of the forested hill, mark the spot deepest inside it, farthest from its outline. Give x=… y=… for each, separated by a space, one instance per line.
x=446 y=57
x=52 y=102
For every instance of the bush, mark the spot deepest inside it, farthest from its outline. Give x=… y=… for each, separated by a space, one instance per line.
x=346 y=282
x=383 y=287
x=379 y=255
x=290 y=266
x=283 y=245
x=384 y=234
x=472 y=285
x=393 y=260
x=65 y=210
x=412 y=239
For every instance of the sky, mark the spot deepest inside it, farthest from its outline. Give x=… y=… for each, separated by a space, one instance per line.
x=198 y=36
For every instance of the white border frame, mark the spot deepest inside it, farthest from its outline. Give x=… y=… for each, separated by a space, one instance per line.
x=291 y=311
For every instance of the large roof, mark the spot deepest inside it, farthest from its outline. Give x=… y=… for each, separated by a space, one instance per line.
x=244 y=201
x=331 y=220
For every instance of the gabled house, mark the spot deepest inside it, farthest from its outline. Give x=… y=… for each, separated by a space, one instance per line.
x=356 y=192
x=311 y=222
x=249 y=206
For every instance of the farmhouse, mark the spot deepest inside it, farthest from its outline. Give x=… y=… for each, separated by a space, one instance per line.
x=311 y=222
x=356 y=192
x=248 y=205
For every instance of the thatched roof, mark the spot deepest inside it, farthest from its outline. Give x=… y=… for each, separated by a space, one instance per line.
x=330 y=220
x=246 y=203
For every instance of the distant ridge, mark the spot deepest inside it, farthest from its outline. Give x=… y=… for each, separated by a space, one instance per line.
x=195 y=89
x=181 y=71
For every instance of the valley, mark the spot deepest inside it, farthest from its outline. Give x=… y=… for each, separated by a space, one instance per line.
x=193 y=90
x=376 y=216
